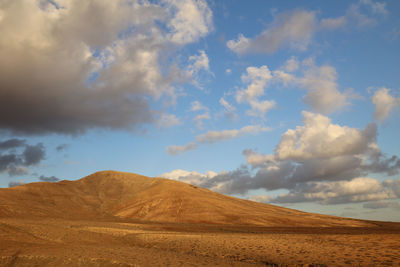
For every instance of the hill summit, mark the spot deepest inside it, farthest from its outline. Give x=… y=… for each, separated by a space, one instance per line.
x=115 y=195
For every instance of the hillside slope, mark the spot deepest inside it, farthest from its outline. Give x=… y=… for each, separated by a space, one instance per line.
x=110 y=194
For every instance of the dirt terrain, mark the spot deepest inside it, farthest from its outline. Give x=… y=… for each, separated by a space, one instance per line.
x=121 y=219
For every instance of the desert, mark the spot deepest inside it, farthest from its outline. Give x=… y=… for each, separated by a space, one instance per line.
x=121 y=219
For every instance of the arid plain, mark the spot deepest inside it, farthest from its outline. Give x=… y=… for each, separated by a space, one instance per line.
x=121 y=219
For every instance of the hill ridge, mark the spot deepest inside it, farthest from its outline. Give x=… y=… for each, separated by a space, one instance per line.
x=121 y=195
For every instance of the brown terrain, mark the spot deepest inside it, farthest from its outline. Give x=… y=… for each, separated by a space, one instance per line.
x=121 y=219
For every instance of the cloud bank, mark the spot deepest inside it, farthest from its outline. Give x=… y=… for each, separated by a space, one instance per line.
x=69 y=66
x=318 y=161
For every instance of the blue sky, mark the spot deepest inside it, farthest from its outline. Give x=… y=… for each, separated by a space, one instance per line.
x=293 y=103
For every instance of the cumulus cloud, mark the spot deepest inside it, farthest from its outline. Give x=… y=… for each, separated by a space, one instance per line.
x=16 y=155
x=384 y=103
x=322 y=90
x=191 y=177
x=69 y=66
x=192 y=19
x=322 y=93
x=199 y=62
x=293 y=29
x=319 y=138
x=319 y=161
x=175 y=150
x=48 y=178
x=218 y=136
x=256 y=81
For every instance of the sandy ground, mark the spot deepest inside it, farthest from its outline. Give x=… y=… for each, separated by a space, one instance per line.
x=56 y=242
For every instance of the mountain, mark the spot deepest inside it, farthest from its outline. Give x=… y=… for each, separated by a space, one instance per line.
x=111 y=195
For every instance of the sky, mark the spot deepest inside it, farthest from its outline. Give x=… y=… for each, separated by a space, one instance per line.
x=292 y=103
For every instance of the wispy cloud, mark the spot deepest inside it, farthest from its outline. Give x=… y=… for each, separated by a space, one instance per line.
x=175 y=150
x=218 y=136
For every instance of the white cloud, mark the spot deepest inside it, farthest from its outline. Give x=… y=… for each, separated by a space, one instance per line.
x=376 y=7
x=260 y=198
x=319 y=138
x=198 y=120
x=322 y=92
x=197 y=106
x=199 y=61
x=230 y=111
x=175 y=150
x=318 y=152
x=211 y=137
x=296 y=28
x=228 y=71
x=384 y=103
x=168 y=120
x=358 y=18
x=191 y=177
x=192 y=20
x=218 y=136
x=257 y=80
x=322 y=95
x=260 y=108
x=291 y=65
x=293 y=29
x=333 y=23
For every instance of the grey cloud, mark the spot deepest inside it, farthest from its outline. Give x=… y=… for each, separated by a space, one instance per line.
x=18 y=155
x=9 y=160
x=33 y=154
x=61 y=147
x=15 y=183
x=49 y=179
x=394 y=185
x=82 y=66
x=359 y=189
x=11 y=143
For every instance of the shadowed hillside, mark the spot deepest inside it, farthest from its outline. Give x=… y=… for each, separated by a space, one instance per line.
x=110 y=194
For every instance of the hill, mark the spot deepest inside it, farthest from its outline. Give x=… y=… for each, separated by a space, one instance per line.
x=111 y=194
